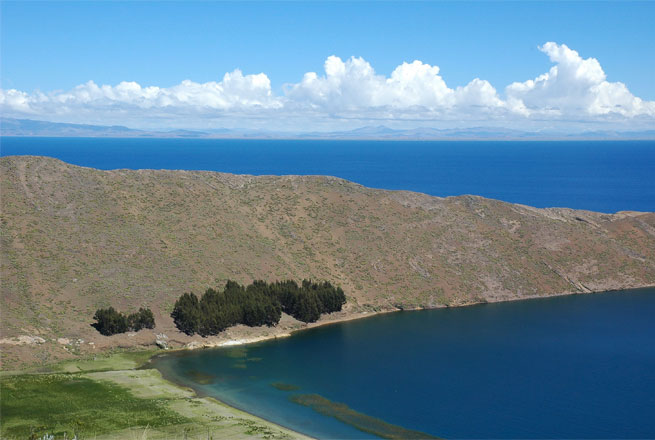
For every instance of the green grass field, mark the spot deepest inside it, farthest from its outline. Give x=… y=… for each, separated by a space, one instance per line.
x=121 y=360
x=110 y=397
x=34 y=405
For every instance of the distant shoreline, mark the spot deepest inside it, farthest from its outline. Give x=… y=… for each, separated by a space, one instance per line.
x=347 y=139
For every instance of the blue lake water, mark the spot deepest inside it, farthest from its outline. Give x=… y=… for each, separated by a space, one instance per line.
x=606 y=176
x=580 y=366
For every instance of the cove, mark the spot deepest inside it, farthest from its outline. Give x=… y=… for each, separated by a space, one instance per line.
x=577 y=366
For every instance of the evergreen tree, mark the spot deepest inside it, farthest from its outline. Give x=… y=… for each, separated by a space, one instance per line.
x=308 y=308
x=109 y=321
x=141 y=319
x=186 y=314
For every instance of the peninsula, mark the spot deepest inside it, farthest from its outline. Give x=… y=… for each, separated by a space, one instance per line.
x=76 y=239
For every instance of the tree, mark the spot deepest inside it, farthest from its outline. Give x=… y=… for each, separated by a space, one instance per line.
x=331 y=298
x=141 y=319
x=259 y=303
x=109 y=321
x=308 y=308
x=186 y=313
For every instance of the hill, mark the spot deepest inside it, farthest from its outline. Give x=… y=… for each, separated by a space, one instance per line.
x=75 y=239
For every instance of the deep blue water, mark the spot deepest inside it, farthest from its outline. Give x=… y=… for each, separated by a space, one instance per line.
x=606 y=176
x=580 y=366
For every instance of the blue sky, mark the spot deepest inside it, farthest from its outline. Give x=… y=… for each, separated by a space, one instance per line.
x=56 y=46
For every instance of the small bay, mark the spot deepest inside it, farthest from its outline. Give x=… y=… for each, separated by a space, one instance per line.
x=578 y=366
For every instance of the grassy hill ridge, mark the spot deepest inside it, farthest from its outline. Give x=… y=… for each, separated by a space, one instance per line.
x=75 y=239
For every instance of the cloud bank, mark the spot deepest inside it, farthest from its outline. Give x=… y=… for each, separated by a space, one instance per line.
x=574 y=89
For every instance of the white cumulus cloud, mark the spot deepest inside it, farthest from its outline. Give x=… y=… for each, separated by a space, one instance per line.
x=574 y=89
x=236 y=92
x=412 y=90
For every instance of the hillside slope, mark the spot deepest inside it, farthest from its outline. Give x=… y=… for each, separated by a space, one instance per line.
x=75 y=239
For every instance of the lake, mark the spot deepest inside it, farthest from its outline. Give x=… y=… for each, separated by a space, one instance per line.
x=578 y=366
x=605 y=176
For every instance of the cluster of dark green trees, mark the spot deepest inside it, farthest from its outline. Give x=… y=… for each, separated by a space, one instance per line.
x=259 y=303
x=110 y=322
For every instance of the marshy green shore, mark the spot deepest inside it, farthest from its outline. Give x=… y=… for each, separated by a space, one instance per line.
x=117 y=396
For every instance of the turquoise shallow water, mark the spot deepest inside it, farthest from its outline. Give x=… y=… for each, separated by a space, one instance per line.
x=577 y=366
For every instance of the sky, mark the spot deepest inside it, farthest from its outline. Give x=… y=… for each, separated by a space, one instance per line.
x=298 y=66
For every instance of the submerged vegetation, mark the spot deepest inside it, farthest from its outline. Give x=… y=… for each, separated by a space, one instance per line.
x=285 y=386
x=259 y=303
x=200 y=377
x=363 y=422
x=110 y=322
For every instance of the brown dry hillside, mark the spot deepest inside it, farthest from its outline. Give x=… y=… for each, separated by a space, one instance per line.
x=75 y=239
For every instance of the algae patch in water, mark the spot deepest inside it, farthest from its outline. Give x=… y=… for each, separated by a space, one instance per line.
x=200 y=377
x=236 y=353
x=285 y=386
x=343 y=413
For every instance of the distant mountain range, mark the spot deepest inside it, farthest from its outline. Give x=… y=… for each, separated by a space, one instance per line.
x=28 y=127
